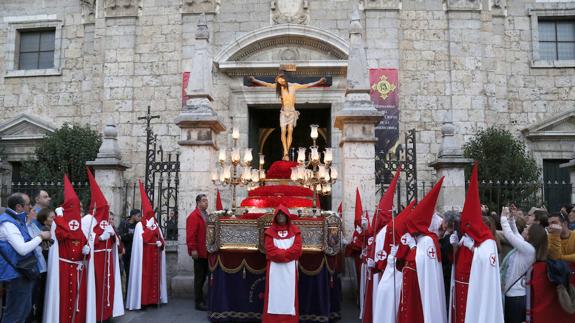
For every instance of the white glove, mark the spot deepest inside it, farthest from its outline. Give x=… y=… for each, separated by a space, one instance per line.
x=408 y=240
x=370 y=263
x=467 y=241
x=85 y=250
x=453 y=238
x=110 y=230
x=105 y=236
x=393 y=251
x=59 y=211
x=159 y=243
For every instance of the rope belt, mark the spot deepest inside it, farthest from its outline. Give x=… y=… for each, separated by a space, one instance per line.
x=79 y=268
x=460 y=282
x=103 y=250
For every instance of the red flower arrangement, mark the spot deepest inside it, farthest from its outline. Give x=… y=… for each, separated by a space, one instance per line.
x=273 y=201
x=280 y=169
x=280 y=190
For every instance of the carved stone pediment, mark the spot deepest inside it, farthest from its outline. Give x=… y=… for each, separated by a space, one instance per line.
x=262 y=51
x=122 y=8
x=558 y=127
x=21 y=135
x=200 y=6
x=290 y=11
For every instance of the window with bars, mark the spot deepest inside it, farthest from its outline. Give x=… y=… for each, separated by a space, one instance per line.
x=36 y=49
x=556 y=39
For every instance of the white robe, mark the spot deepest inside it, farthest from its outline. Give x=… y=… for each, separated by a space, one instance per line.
x=380 y=255
x=118 y=309
x=385 y=309
x=134 y=293
x=52 y=293
x=430 y=280
x=484 y=295
x=282 y=284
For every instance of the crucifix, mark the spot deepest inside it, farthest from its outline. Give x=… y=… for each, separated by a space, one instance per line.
x=286 y=91
x=150 y=141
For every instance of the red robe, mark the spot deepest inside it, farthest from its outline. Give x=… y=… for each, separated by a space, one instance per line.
x=151 y=266
x=410 y=308
x=104 y=276
x=278 y=255
x=463 y=259
x=70 y=244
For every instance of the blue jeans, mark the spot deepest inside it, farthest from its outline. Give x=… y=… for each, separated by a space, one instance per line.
x=18 y=300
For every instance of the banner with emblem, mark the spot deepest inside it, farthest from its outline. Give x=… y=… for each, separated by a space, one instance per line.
x=384 y=89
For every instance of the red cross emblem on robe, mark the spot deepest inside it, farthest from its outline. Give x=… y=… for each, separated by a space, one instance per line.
x=74 y=225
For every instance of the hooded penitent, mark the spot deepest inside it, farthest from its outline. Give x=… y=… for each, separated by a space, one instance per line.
x=422 y=292
x=104 y=246
x=382 y=216
x=147 y=282
x=70 y=285
x=476 y=285
x=283 y=248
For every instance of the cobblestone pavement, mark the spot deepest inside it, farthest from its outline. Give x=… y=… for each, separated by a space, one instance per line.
x=182 y=310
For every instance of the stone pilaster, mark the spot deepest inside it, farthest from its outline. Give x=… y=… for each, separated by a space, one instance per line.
x=199 y=125
x=357 y=122
x=451 y=164
x=571 y=166
x=109 y=171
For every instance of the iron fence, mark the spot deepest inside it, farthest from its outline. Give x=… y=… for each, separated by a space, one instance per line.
x=54 y=188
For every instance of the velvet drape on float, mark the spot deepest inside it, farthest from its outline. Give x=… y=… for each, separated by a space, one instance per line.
x=244 y=273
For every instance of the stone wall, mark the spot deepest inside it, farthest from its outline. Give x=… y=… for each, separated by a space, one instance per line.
x=472 y=65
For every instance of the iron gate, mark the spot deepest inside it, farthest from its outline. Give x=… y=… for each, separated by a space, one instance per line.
x=162 y=181
x=405 y=157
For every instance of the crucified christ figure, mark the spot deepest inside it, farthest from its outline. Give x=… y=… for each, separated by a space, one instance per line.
x=288 y=114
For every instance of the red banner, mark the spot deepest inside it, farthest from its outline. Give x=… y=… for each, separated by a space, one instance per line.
x=384 y=89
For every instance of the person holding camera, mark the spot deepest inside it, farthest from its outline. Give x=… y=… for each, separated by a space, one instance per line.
x=18 y=261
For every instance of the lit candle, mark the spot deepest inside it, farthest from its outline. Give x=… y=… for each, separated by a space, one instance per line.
x=235 y=155
x=214 y=175
x=248 y=156
x=314 y=154
x=318 y=188
x=294 y=174
x=326 y=174
x=327 y=188
x=328 y=156
x=223 y=176
x=313 y=133
x=333 y=173
x=222 y=155
x=235 y=133
x=227 y=172
x=301 y=155
x=321 y=171
x=255 y=175
x=262 y=174
x=262 y=160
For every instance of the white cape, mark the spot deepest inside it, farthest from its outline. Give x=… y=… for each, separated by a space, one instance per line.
x=386 y=302
x=430 y=280
x=134 y=293
x=379 y=256
x=118 y=309
x=52 y=294
x=484 y=296
x=362 y=279
x=282 y=284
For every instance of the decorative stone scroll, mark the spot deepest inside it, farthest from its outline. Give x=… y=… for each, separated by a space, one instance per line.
x=88 y=11
x=122 y=8
x=290 y=11
x=200 y=6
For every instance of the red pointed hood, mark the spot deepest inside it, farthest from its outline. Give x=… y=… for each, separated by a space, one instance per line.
x=71 y=204
x=358 y=209
x=399 y=227
x=147 y=210
x=219 y=206
x=340 y=209
x=383 y=213
x=420 y=220
x=471 y=221
x=99 y=206
x=285 y=231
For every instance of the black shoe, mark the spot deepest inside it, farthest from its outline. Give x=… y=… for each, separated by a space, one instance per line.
x=201 y=307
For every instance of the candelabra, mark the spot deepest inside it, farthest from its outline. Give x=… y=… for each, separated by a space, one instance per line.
x=227 y=173
x=311 y=172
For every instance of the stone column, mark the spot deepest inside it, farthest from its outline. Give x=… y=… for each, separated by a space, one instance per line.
x=109 y=171
x=357 y=122
x=451 y=164
x=199 y=125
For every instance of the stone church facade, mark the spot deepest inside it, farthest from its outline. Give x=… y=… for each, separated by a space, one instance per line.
x=462 y=65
